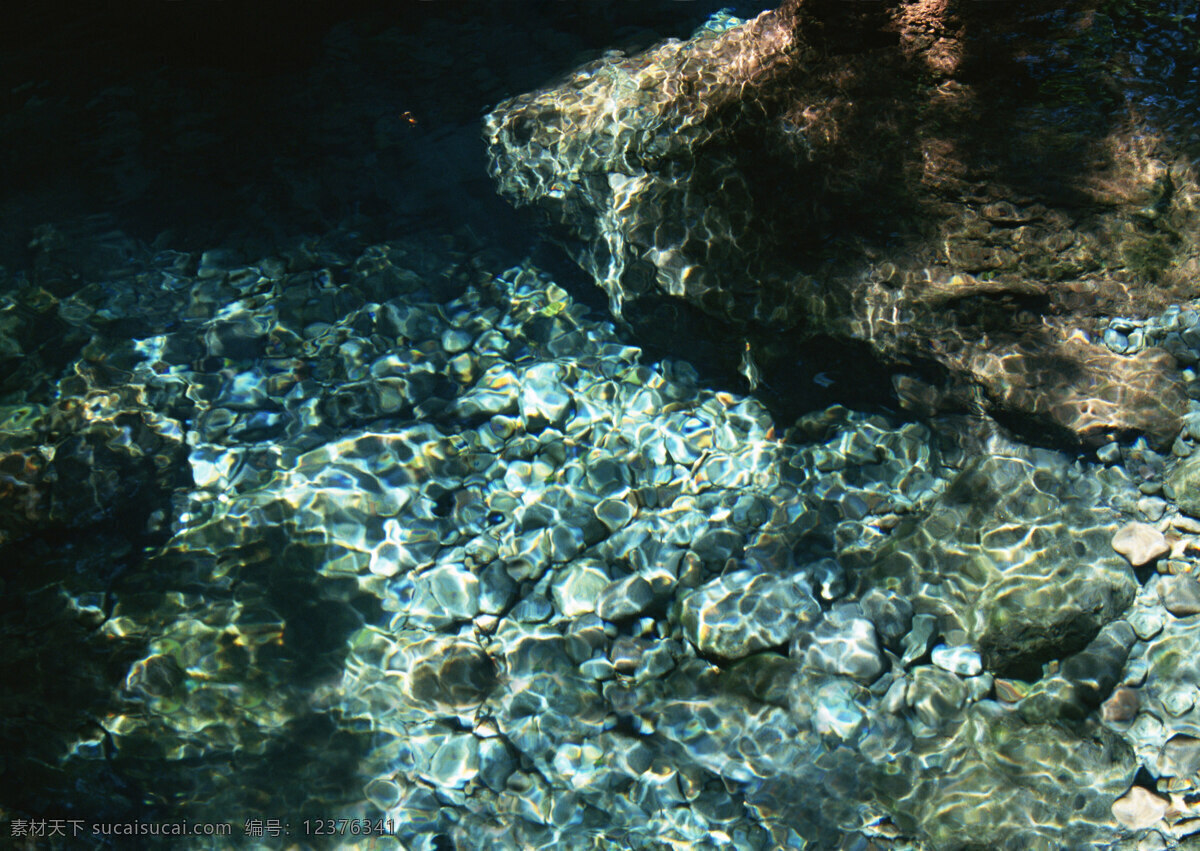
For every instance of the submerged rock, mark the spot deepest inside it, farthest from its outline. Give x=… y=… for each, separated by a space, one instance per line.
x=1139 y=808
x=1180 y=594
x=1184 y=482
x=1003 y=521
x=996 y=276
x=1180 y=757
x=740 y=613
x=843 y=643
x=1140 y=543
x=958 y=660
x=1121 y=706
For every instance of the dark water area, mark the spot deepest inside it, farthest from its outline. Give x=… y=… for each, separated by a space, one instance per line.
x=250 y=129
x=193 y=126
x=338 y=508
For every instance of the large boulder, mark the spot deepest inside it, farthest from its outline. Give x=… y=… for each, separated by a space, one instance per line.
x=904 y=175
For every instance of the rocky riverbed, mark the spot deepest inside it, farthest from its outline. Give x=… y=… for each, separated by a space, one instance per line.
x=549 y=591
x=408 y=533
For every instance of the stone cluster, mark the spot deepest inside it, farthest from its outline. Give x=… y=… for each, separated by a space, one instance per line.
x=550 y=593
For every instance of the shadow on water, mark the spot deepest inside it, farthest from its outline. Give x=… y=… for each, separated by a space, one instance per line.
x=242 y=127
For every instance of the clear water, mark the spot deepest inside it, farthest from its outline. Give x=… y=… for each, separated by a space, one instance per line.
x=337 y=509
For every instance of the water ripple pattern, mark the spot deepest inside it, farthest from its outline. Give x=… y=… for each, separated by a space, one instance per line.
x=539 y=592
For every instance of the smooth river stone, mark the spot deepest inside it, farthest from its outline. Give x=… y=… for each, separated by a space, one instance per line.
x=1121 y=707
x=1139 y=808
x=1140 y=543
x=740 y=613
x=624 y=598
x=845 y=645
x=1180 y=757
x=1180 y=594
x=963 y=661
x=577 y=587
x=1184 y=482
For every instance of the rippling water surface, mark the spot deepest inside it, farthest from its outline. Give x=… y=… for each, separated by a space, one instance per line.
x=338 y=509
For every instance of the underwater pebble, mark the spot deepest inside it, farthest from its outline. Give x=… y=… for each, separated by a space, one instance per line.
x=891 y=614
x=1186 y=524
x=455 y=763
x=455 y=589
x=837 y=713
x=1139 y=808
x=1147 y=622
x=543 y=395
x=496 y=589
x=598 y=669
x=577 y=587
x=716 y=545
x=1137 y=668
x=1116 y=341
x=739 y=613
x=565 y=541
x=496 y=763
x=1183 y=484
x=1178 y=701
x=894 y=700
x=1094 y=671
x=979 y=687
x=625 y=598
x=383 y=793
x=1050 y=698
x=1121 y=706
x=626 y=654
x=957 y=660
x=934 y=695
x=1147 y=732
x=1140 y=543
x=1010 y=691
x=1180 y=757
x=658 y=660
x=1174 y=566
x=916 y=642
x=613 y=513
x=455 y=340
x=532 y=609
x=1180 y=594
x=844 y=643
x=1152 y=507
